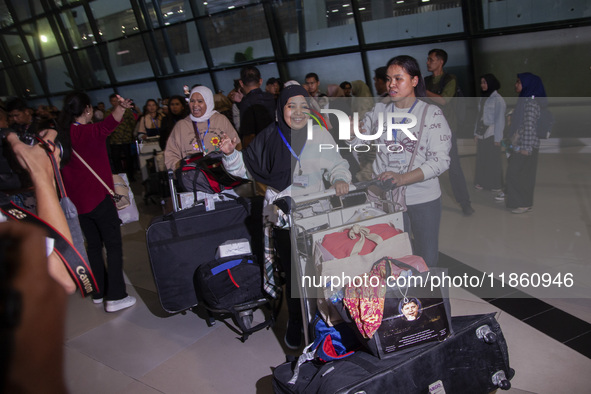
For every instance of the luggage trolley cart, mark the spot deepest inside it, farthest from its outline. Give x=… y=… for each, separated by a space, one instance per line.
x=316 y=215
x=181 y=241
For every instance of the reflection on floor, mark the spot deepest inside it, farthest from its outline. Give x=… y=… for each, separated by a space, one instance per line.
x=146 y=350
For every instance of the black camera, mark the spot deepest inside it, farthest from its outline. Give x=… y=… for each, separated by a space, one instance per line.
x=26 y=137
x=30 y=138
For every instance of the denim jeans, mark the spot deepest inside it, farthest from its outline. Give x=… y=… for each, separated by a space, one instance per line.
x=421 y=221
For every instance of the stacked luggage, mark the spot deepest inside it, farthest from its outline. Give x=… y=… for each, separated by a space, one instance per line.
x=190 y=268
x=420 y=350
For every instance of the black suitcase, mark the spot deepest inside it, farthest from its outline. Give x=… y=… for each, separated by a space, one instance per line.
x=179 y=242
x=474 y=360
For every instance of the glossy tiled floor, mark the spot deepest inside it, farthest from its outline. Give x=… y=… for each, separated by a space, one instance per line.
x=145 y=350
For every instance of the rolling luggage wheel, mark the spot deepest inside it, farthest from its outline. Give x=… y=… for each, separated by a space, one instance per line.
x=246 y=317
x=245 y=323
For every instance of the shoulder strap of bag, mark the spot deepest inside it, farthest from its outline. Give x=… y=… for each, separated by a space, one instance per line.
x=111 y=192
x=421 y=126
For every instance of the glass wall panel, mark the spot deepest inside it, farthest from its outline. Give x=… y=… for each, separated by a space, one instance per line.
x=506 y=13
x=185 y=46
x=115 y=18
x=129 y=59
x=28 y=79
x=139 y=93
x=15 y=47
x=391 y=20
x=318 y=25
x=172 y=11
x=102 y=95
x=238 y=36
x=225 y=79
x=91 y=70
x=330 y=70
x=57 y=76
x=6 y=87
x=175 y=85
x=5 y=17
x=41 y=39
x=77 y=27
x=26 y=9
x=192 y=59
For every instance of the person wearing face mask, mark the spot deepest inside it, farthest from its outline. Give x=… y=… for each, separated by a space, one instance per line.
x=281 y=157
x=201 y=131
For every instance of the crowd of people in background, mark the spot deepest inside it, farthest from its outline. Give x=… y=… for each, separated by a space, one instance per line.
x=250 y=107
x=247 y=120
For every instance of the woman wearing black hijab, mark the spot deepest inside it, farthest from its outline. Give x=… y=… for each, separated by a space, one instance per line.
x=287 y=162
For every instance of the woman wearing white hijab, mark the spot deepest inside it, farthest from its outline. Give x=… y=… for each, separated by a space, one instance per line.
x=201 y=131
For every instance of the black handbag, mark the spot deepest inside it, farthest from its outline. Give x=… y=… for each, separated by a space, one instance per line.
x=226 y=282
x=480 y=128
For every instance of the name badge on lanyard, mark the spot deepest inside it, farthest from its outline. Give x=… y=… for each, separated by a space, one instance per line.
x=301 y=181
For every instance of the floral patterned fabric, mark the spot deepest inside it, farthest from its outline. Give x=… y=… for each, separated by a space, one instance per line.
x=366 y=304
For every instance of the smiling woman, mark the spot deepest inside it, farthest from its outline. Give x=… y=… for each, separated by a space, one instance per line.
x=201 y=131
x=282 y=158
x=297 y=112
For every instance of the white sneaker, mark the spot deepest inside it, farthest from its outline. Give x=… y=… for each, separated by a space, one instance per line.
x=117 y=305
x=500 y=197
x=97 y=300
x=521 y=210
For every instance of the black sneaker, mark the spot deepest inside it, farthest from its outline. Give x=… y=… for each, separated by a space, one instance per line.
x=293 y=335
x=467 y=210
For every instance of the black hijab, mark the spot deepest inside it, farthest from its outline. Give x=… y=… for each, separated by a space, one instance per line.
x=267 y=157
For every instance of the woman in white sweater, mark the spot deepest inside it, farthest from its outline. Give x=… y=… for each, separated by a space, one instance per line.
x=423 y=194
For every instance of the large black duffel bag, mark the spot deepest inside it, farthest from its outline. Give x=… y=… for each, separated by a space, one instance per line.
x=473 y=360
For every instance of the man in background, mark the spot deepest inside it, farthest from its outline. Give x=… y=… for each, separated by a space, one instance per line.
x=121 y=141
x=441 y=87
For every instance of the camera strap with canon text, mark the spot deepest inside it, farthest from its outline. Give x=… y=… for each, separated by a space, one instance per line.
x=75 y=263
x=73 y=260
